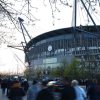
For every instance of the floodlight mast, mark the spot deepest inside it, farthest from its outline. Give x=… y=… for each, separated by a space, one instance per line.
x=25 y=51
x=75 y=13
x=89 y=15
x=24 y=29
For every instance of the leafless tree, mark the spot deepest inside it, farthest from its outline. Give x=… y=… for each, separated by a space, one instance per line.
x=10 y=10
x=90 y=4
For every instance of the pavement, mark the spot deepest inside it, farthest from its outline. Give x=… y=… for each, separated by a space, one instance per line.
x=4 y=97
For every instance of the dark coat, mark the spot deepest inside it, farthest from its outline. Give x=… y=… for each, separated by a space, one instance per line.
x=94 y=93
x=45 y=94
x=68 y=93
x=25 y=85
x=3 y=84
x=16 y=93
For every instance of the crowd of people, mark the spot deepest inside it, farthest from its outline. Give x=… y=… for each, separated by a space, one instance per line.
x=42 y=90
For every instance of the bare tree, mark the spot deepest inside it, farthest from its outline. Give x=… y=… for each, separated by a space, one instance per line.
x=10 y=10
x=90 y=4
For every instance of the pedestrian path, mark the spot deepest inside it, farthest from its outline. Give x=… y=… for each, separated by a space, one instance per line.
x=3 y=97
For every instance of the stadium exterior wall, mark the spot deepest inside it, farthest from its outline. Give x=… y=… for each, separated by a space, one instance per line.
x=50 y=48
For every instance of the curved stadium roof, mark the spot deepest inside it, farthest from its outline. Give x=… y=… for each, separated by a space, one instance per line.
x=59 y=32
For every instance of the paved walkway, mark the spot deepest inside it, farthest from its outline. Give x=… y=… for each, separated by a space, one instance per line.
x=3 y=97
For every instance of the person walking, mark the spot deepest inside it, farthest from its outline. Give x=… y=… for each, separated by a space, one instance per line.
x=32 y=91
x=25 y=85
x=16 y=92
x=93 y=91
x=45 y=93
x=68 y=92
x=3 y=86
x=80 y=92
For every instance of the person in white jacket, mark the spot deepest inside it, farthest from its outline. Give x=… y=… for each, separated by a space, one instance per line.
x=80 y=92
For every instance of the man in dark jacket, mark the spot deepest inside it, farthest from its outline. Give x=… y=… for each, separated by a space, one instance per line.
x=16 y=92
x=45 y=93
x=93 y=91
x=68 y=92
x=3 y=85
x=25 y=85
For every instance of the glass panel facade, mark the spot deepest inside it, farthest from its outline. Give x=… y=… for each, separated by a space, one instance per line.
x=47 y=51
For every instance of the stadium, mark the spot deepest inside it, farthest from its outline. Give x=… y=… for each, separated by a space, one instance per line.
x=50 y=48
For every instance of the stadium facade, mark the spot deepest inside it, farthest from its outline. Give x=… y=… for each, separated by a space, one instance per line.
x=50 y=48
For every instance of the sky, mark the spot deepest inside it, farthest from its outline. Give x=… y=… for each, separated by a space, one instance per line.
x=12 y=60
